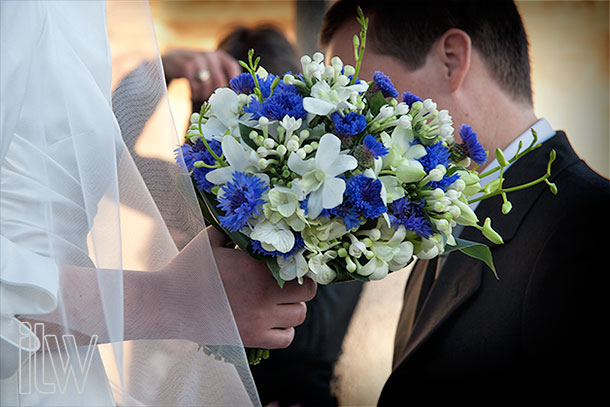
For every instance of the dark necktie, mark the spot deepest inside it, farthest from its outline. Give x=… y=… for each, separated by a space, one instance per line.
x=429 y=277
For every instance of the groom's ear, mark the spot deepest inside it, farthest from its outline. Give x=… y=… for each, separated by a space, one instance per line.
x=454 y=49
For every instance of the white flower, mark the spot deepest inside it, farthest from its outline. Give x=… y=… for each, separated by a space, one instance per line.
x=319 y=271
x=319 y=174
x=290 y=124
x=431 y=247
x=239 y=159
x=223 y=115
x=325 y=100
x=273 y=236
x=403 y=156
x=389 y=255
x=293 y=267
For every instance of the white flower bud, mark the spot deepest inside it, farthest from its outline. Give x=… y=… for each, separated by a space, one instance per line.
x=305 y=60
x=336 y=62
x=243 y=99
x=438 y=194
x=292 y=145
x=436 y=175
x=342 y=80
x=300 y=153
x=429 y=105
x=349 y=70
x=318 y=57
x=404 y=122
x=401 y=109
x=281 y=149
x=269 y=143
x=263 y=163
x=262 y=151
x=308 y=149
x=386 y=111
x=263 y=121
x=195 y=118
x=289 y=79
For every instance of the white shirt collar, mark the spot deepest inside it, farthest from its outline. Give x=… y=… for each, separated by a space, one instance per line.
x=543 y=130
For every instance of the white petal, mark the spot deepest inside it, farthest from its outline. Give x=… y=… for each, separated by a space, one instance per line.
x=220 y=176
x=234 y=153
x=340 y=165
x=317 y=106
x=415 y=151
x=328 y=151
x=213 y=129
x=314 y=204
x=300 y=166
x=224 y=104
x=332 y=192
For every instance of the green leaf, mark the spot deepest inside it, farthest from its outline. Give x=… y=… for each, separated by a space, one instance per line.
x=375 y=102
x=275 y=270
x=244 y=132
x=476 y=250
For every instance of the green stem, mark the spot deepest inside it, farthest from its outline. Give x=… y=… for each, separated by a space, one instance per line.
x=205 y=142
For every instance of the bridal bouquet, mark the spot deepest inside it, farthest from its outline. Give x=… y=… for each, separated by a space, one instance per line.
x=326 y=176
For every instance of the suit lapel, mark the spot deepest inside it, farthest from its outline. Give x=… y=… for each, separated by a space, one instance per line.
x=456 y=283
x=461 y=275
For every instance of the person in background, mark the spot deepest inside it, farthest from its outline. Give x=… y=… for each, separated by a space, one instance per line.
x=301 y=374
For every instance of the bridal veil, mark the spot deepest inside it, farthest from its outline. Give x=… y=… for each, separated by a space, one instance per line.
x=92 y=207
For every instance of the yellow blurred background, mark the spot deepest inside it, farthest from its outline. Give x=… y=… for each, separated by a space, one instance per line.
x=569 y=52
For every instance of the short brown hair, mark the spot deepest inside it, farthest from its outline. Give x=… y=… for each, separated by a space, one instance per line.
x=408 y=29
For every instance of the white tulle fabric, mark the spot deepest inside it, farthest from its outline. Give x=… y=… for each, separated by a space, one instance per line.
x=101 y=235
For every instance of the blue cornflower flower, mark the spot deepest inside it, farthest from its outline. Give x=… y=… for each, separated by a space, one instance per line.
x=199 y=152
x=385 y=85
x=438 y=154
x=299 y=243
x=362 y=197
x=240 y=200
x=286 y=100
x=348 y=125
x=373 y=148
x=410 y=215
x=242 y=83
x=410 y=98
x=474 y=149
x=283 y=102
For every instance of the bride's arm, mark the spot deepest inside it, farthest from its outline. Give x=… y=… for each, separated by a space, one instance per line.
x=182 y=301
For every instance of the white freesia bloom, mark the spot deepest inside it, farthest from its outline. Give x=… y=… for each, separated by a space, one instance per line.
x=293 y=267
x=319 y=271
x=223 y=115
x=273 y=236
x=325 y=100
x=319 y=174
x=239 y=159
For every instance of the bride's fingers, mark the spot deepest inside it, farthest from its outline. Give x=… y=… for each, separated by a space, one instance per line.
x=289 y=315
x=277 y=338
x=294 y=292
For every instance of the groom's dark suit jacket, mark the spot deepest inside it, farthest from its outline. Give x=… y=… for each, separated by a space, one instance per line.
x=540 y=332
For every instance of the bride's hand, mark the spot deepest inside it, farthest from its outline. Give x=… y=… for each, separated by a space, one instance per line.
x=265 y=313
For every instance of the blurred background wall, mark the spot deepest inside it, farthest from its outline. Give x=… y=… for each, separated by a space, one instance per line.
x=569 y=52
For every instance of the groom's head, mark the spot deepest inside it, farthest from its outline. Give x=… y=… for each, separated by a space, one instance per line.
x=462 y=54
